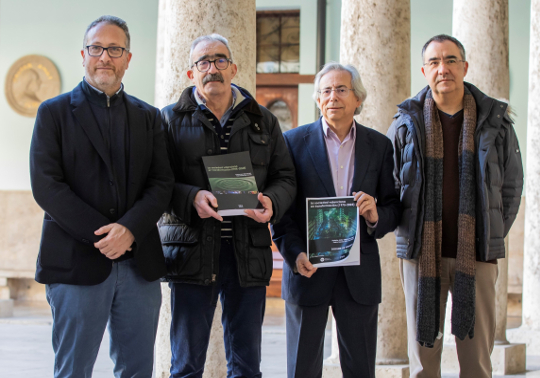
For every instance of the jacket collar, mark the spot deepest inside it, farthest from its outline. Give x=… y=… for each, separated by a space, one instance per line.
x=137 y=120
x=484 y=105
x=188 y=103
x=314 y=142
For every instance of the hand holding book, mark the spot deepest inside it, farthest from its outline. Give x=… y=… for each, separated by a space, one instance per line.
x=205 y=203
x=261 y=216
x=367 y=207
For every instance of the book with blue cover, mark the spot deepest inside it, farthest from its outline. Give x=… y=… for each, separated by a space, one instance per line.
x=333 y=231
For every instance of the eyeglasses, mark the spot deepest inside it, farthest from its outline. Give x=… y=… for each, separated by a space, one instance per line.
x=447 y=62
x=220 y=63
x=341 y=92
x=113 y=51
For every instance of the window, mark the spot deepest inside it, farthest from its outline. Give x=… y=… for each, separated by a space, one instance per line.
x=278 y=41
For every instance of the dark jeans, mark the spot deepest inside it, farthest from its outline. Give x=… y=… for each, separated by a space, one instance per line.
x=193 y=309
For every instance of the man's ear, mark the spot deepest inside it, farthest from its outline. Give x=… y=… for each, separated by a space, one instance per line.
x=423 y=72
x=190 y=74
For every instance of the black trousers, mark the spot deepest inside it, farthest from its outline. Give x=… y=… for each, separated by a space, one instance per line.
x=356 y=332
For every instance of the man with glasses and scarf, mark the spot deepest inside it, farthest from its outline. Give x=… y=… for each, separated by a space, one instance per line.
x=458 y=169
x=226 y=257
x=99 y=170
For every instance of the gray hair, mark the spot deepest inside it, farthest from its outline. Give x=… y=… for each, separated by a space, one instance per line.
x=113 y=20
x=356 y=82
x=209 y=38
x=441 y=38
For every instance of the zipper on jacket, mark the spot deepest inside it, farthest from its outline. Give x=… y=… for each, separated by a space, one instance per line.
x=108 y=102
x=213 y=278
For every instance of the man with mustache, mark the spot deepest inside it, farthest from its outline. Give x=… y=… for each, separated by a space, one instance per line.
x=458 y=167
x=99 y=169
x=229 y=257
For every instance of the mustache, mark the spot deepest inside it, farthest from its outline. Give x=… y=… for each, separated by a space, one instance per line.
x=445 y=78
x=213 y=77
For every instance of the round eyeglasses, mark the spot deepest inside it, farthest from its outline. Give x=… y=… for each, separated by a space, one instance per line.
x=113 y=51
x=341 y=92
x=220 y=63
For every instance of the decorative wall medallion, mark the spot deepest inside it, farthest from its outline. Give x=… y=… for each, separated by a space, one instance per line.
x=30 y=81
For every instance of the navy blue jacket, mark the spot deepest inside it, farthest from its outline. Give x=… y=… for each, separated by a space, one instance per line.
x=74 y=182
x=373 y=167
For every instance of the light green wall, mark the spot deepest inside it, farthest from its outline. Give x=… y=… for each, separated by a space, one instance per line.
x=428 y=18
x=520 y=21
x=55 y=29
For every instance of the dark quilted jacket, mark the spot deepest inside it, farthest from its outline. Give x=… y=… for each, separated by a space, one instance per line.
x=189 y=136
x=499 y=174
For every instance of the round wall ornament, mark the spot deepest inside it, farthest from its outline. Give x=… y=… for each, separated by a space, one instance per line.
x=31 y=80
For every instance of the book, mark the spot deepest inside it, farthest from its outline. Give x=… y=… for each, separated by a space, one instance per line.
x=232 y=183
x=333 y=231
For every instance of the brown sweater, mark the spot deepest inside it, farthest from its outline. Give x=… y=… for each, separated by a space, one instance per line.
x=451 y=127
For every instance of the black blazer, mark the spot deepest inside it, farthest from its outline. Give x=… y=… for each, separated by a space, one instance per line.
x=373 y=168
x=73 y=182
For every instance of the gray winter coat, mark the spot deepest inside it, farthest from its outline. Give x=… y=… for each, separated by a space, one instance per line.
x=499 y=174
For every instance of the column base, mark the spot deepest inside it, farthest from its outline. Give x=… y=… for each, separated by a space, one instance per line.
x=508 y=359
x=6 y=308
x=381 y=371
x=392 y=371
x=505 y=359
x=526 y=335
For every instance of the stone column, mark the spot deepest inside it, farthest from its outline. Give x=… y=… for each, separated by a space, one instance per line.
x=179 y=23
x=483 y=31
x=530 y=328
x=375 y=38
x=6 y=303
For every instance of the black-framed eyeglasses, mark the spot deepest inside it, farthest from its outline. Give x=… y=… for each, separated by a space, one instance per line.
x=220 y=63
x=341 y=92
x=113 y=51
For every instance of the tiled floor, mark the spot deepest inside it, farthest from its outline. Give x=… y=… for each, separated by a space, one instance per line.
x=26 y=351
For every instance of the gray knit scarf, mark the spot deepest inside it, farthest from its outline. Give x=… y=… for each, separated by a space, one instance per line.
x=429 y=282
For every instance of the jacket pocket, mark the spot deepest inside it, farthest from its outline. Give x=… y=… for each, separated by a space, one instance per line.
x=259 y=149
x=57 y=247
x=260 y=254
x=181 y=248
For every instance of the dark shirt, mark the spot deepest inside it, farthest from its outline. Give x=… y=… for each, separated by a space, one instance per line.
x=223 y=129
x=451 y=127
x=110 y=114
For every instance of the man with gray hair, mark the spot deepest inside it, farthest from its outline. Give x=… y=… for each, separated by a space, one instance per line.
x=229 y=257
x=336 y=156
x=100 y=172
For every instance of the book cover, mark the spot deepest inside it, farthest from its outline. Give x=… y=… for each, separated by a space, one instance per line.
x=333 y=232
x=232 y=182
